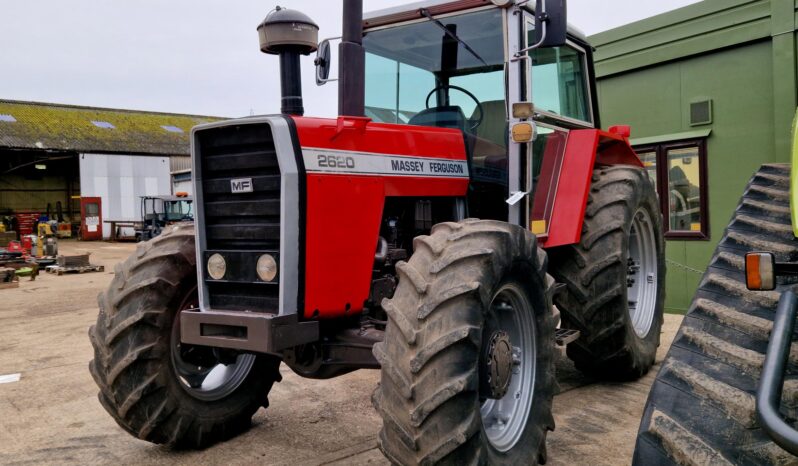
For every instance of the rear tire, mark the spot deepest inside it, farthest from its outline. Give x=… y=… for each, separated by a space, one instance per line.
x=701 y=407
x=454 y=308
x=615 y=277
x=143 y=382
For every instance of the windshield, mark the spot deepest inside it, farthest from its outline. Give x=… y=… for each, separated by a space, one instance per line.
x=405 y=64
x=178 y=210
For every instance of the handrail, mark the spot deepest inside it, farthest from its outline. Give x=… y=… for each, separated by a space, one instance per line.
x=771 y=384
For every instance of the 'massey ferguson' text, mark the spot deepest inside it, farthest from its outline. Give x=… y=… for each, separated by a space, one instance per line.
x=417 y=166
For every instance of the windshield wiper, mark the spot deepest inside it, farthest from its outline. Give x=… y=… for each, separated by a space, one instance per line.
x=425 y=13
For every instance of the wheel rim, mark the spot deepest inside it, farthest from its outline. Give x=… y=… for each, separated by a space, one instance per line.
x=504 y=420
x=641 y=274
x=209 y=380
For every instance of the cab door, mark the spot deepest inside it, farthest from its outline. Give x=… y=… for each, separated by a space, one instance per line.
x=91 y=225
x=558 y=83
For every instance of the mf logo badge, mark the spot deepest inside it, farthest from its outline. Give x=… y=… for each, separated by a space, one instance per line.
x=241 y=185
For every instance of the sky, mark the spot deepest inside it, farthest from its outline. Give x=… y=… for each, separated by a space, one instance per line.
x=190 y=56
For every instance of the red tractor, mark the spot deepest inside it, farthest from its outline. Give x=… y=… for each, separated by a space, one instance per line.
x=332 y=245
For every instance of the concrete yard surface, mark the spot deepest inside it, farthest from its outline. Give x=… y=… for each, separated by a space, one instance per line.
x=51 y=414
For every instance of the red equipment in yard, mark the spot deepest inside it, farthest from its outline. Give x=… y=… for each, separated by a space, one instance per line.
x=16 y=246
x=91 y=224
x=332 y=245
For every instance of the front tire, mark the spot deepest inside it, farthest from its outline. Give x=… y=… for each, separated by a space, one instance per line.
x=615 y=277
x=153 y=387
x=467 y=360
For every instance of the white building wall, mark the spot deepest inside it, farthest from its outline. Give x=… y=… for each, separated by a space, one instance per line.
x=120 y=180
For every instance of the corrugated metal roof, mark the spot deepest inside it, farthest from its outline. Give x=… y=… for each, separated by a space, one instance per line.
x=68 y=127
x=179 y=163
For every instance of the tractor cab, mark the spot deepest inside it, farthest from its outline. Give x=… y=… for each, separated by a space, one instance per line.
x=158 y=212
x=449 y=71
x=482 y=70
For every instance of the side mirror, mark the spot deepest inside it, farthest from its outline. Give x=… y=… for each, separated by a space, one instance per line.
x=551 y=19
x=323 y=63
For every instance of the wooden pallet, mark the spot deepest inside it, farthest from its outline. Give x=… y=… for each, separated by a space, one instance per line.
x=5 y=285
x=80 y=260
x=58 y=270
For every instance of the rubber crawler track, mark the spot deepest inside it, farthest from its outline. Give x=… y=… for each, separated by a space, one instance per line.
x=701 y=407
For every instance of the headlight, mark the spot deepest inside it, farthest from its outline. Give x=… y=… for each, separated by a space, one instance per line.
x=217 y=266
x=267 y=268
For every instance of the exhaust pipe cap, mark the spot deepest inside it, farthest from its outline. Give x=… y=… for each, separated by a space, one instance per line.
x=286 y=30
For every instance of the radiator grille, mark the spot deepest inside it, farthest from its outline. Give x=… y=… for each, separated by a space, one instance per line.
x=248 y=221
x=241 y=220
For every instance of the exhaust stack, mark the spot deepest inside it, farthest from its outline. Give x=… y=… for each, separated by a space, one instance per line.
x=352 y=64
x=289 y=34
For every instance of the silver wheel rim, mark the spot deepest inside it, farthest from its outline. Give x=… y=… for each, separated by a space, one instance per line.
x=641 y=273
x=504 y=420
x=206 y=383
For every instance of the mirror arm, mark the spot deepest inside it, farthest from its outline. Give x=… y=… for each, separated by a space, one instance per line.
x=317 y=61
x=543 y=21
x=320 y=81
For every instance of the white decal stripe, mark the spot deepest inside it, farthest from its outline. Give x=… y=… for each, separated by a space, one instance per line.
x=361 y=163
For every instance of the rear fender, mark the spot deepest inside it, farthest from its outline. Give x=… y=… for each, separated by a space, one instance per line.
x=585 y=149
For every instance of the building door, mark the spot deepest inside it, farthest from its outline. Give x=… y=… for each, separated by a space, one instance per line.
x=91 y=219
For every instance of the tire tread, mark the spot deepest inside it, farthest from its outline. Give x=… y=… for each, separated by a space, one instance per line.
x=131 y=364
x=593 y=300
x=435 y=321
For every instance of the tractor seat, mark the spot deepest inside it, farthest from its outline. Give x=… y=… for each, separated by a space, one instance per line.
x=494 y=122
x=490 y=139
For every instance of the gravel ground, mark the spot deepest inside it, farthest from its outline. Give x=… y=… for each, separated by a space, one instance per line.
x=52 y=416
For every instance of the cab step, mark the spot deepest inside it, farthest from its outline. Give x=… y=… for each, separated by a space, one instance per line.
x=563 y=336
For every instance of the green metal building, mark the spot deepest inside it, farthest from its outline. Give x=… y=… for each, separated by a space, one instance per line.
x=710 y=92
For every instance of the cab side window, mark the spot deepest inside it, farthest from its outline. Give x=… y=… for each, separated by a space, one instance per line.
x=560 y=82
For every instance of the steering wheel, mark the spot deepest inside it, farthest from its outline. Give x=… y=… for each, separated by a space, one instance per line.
x=474 y=123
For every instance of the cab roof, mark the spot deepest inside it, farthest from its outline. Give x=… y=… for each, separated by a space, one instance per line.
x=410 y=11
x=170 y=198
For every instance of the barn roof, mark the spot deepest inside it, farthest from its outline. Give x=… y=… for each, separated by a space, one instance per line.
x=36 y=125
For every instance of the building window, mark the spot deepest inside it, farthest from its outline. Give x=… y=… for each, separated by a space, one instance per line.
x=679 y=173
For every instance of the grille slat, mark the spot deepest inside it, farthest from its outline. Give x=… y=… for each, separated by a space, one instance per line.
x=240 y=221
x=247 y=208
x=242 y=231
x=245 y=161
x=244 y=220
x=238 y=297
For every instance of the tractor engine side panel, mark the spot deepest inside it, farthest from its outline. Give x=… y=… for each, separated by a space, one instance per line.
x=351 y=166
